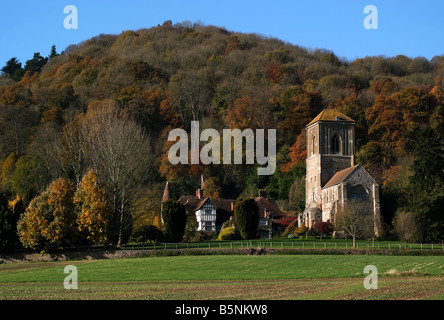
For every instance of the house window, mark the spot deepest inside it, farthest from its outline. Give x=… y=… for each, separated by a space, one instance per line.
x=208 y=207
x=335 y=143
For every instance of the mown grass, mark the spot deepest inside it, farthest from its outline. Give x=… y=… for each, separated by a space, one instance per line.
x=228 y=277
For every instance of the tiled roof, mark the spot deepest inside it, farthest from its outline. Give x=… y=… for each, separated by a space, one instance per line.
x=340 y=176
x=331 y=115
x=265 y=205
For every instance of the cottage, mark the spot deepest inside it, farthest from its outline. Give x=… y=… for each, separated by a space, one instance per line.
x=211 y=213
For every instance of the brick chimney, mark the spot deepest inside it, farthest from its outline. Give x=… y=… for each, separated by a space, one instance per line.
x=232 y=206
x=199 y=193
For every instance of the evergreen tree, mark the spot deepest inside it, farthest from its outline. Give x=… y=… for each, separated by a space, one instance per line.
x=53 y=52
x=246 y=217
x=427 y=184
x=174 y=220
x=35 y=64
x=8 y=226
x=13 y=69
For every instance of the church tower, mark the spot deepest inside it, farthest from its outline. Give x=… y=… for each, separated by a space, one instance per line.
x=330 y=149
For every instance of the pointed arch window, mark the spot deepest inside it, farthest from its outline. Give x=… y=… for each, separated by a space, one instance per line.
x=358 y=193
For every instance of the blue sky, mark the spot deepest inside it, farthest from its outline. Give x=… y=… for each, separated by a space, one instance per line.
x=412 y=28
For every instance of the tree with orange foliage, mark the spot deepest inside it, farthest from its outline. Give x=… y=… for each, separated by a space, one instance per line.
x=253 y=110
x=274 y=72
x=352 y=107
x=298 y=108
x=386 y=126
x=298 y=152
x=437 y=118
x=92 y=207
x=50 y=219
x=233 y=43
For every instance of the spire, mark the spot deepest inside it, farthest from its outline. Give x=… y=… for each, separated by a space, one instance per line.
x=166 y=193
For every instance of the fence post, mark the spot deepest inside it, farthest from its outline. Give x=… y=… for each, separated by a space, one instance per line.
x=432 y=245
x=282 y=244
x=165 y=246
x=389 y=245
x=303 y=245
x=154 y=246
x=325 y=245
x=231 y=245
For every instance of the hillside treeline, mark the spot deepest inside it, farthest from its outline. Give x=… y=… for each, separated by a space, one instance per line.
x=105 y=107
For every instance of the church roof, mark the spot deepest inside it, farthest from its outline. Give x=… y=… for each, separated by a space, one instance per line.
x=340 y=176
x=331 y=115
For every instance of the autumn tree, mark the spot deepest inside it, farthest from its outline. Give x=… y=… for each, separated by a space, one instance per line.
x=298 y=152
x=385 y=121
x=50 y=219
x=298 y=108
x=253 y=110
x=16 y=126
x=437 y=118
x=92 y=208
x=212 y=187
x=119 y=151
x=354 y=108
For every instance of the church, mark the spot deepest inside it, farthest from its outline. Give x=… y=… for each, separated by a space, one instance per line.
x=332 y=176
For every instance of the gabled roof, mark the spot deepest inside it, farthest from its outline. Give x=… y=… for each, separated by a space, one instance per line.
x=340 y=176
x=331 y=115
x=190 y=201
x=195 y=203
x=266 y=206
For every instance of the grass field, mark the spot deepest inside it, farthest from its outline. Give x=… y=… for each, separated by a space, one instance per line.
x=228 y=277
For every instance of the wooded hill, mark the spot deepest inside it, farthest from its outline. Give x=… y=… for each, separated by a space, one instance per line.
x=79 y=110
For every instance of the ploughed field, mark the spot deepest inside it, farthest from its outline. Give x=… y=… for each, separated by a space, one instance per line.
x=228 y=277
